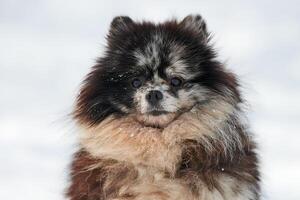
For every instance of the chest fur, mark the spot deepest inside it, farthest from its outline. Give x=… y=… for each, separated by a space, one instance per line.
x=108 y=179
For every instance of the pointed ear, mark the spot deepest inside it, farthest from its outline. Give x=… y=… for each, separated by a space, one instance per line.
x=120 y=23
x=197 y=24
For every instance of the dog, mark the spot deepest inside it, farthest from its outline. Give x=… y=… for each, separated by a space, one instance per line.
x=160 y=118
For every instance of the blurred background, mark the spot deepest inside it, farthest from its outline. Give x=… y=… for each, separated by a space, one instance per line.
x=47 y=46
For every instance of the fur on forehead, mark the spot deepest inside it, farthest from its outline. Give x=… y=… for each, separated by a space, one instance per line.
x=166 y=55
x=181 y=46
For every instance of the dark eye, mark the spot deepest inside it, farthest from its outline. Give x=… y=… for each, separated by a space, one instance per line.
x=175 y=82
x=136 y=83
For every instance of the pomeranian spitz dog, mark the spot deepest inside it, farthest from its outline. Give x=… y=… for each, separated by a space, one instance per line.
x=160 y=118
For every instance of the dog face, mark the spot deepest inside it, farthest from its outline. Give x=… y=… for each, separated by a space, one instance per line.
x=153 y=72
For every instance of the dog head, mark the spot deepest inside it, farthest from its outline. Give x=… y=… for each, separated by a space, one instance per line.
x=153 y=73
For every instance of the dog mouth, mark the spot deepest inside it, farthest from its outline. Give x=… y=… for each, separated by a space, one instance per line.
x=159 y=118
x=157 y=112
x=156 y=118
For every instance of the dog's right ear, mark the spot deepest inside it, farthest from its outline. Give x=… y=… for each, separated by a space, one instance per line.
x=196 y=24
x=119 y=24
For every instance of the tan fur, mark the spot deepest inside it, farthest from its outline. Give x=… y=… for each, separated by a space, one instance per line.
x=154 y=188
x=151 y=184
x=155 y=152
x=146 y=183
x=126 y=139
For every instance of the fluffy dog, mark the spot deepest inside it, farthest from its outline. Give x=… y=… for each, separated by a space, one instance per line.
x=160 y=118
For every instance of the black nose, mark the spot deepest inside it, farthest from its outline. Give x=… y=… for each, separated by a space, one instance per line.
x=154 y=96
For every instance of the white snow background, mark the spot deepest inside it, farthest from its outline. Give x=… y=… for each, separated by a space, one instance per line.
x=47 y=46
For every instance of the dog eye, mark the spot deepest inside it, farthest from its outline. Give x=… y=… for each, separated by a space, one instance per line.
x=136 y=83
x=175 y=82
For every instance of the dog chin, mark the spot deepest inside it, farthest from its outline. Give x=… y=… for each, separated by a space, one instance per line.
x=156 y=119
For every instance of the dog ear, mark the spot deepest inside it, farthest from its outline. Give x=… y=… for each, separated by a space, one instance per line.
x=197 y=24
x=120 y=23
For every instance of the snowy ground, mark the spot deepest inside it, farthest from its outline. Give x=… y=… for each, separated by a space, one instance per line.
x=46 y=47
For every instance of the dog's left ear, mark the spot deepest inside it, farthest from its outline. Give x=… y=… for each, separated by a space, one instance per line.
x=119 y=24
x=197 y=24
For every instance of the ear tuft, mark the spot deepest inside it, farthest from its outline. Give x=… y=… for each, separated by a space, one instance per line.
x=197 y=24
x=119 y=23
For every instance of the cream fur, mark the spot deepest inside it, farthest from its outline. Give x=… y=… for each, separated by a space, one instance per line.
x=126 y=139
x=155 y=151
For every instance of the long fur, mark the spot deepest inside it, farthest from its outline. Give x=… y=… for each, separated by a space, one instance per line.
x=201 y=151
